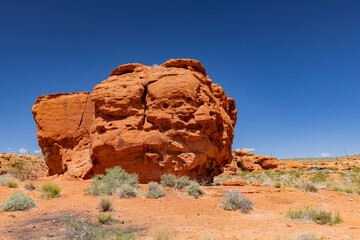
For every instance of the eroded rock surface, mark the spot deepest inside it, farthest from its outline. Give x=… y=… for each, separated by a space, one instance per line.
x=148 y=120
x=252 y=162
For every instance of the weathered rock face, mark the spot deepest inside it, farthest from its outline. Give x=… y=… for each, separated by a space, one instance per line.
x=148 y=120
x=252 y=162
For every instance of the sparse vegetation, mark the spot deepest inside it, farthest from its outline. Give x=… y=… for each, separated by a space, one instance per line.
x=234 y=200
x=82 y=230
x=29 y=186
x=155 y=190
x=315 y=215
x=309 y=187
x=195 y=190
x=112 y=181
x=105 y=218
x=182 y=182
x=23 y=169
x=105 y=204
x=161 y=233
x=50 y=190
x=8 y=180
x=168 y=180
x=17 y=202
x=11 y=184
x=125 y=191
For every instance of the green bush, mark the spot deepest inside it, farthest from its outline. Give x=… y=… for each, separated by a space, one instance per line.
x=168 y=180
x=195 y=190
x=50 y=190
x=125 y=191
x=4 y=179
x=17 y=202
x=319 y=177
x=82 y=230
x=105 y=205
x=105 y=218
x=234 y=200
x=315 y=215
x=11 y=184
x=113 y=179
x=155 y=190
x=182 y=182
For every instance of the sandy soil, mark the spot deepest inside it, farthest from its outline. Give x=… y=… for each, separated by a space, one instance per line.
x=189 y=218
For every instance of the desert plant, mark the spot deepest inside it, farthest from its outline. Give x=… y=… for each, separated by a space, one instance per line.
x=105 y=218
x=29 y=186
x=315 y=215
x=168 y=180
x=155 y=190
x=125 y=191
x=113 y=179
x=50 y=190
x=82 y=230
x=4 y=179
x=234 y=200
x=23 y=169
x=161 y=233
x=308 y=236
x=319 y=177
x=105 y=205
x=17 y=202
x=195 y=190
x=277 y=185
x=11 y=184
x=182 y=182
x=309 y=187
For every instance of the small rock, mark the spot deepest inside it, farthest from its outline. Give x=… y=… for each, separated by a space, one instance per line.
x=234 y=182
x=256 y=184
x=51 y=235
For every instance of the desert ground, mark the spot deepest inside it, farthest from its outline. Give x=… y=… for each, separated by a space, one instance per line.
x=185 y=217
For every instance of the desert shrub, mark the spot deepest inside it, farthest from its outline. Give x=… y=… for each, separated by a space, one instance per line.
x=105 y=205
x=168 y=180
x=11 y=184
x=161 y=233
x=29 y=186
x=22 y=169
x=155 y=190
x=82 y=230
x=113 y=179
x=4 y=179
x=309 y=187
x=17 y=202
x=182 y=182
x=349 y=190
x=308 y=236
x=315 y=215
x=277 y=185
x=105 y=218
x=234 y=200
x=125 y=191
x=50 y=190
x=195 y=190
x=319 y=177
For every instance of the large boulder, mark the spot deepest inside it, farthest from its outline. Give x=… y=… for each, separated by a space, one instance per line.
x=252 y=162
x=148 y=120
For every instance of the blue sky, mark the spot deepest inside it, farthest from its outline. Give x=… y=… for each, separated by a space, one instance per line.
x=291 y=66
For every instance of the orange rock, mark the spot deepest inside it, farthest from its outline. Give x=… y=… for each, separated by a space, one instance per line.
x=148 y=120
x=252 y=162
x=256 y=184
x=234 y=182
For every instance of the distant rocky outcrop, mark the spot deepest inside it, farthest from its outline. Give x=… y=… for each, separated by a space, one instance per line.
x=148 y=120
x=252 y=162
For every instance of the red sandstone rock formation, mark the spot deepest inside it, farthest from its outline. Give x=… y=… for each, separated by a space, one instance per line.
x=251 y=162
x=148 y=120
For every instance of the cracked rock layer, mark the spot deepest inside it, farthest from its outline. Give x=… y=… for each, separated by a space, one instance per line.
x=148 y=120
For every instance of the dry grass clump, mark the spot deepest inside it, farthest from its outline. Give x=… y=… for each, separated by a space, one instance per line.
x=8 y=180
x=162 y=233
x=182 y=182
x=29 y=186
x=112 y=182
x=195 y=190
x=314 y=215
x=50 y=190
x=105 y=218
x=17 y=202
x=155 y=190
x=234 y=200
x=309 y=187
x=125 y=191
x=105 y=205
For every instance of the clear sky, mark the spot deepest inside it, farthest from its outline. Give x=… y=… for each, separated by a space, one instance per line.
x=293 y=67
